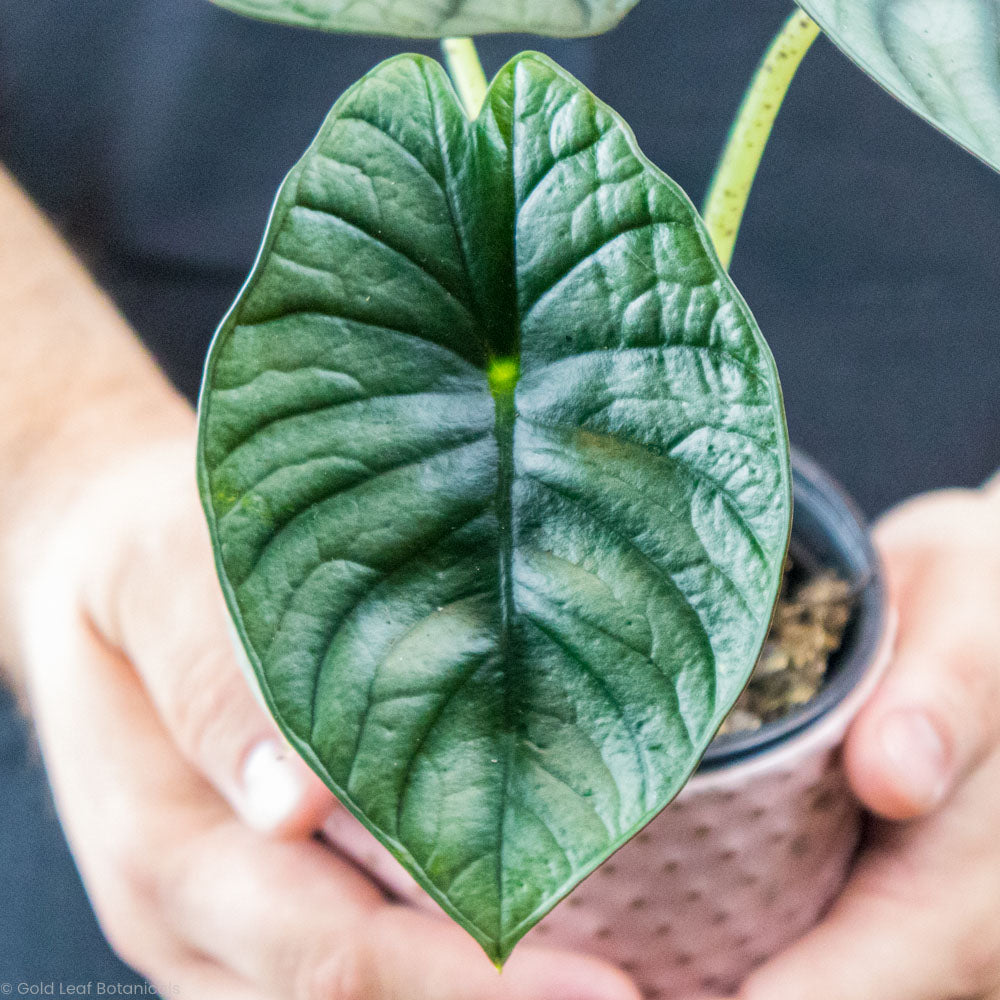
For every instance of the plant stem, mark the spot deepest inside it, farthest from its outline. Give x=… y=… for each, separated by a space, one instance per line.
x=734 y=176
x=467 y=72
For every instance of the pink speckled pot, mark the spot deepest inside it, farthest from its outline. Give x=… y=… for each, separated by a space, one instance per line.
x=759 y=842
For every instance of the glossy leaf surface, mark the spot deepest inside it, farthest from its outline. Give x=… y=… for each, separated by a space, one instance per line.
x=495 y=466
x=940 y=57
x=437 y=19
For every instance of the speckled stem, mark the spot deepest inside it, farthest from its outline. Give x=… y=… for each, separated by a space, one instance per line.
x=467 y=73
x=734 y=176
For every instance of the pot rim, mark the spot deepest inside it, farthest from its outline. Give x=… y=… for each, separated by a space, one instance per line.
x=847 y=531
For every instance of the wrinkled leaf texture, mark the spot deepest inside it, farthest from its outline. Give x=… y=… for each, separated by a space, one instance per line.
x=939 y=57
x=502 y=622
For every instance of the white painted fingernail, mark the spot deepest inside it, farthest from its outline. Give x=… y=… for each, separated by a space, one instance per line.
x=272 y=786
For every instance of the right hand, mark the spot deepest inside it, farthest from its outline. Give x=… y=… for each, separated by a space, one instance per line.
x=189 y=821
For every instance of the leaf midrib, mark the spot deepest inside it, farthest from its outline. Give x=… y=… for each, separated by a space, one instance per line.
x=504 y=429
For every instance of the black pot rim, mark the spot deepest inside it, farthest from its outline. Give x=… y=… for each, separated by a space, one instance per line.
x=847 y=533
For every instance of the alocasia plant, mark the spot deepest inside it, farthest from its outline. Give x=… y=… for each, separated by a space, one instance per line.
x=940 y=57
x=493 y=453
x=495 y=465
x=438 y=18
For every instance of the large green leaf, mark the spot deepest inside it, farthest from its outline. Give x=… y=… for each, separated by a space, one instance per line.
x=495 y=465
x=939 y=57
x=441 y=18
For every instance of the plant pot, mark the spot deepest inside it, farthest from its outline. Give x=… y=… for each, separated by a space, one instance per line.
x=759 y=842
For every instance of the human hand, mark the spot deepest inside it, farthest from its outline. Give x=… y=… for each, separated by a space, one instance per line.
x=166 y=772
x=920 y=916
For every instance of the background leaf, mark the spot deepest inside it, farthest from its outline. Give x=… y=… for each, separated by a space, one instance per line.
x=939 y=57
x=438 y=19
x=502 y=621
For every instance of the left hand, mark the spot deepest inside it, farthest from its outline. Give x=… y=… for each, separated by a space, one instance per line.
x=920 y=916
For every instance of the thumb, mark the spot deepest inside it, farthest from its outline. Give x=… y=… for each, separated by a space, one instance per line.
x=935 y=715
x=160 y=603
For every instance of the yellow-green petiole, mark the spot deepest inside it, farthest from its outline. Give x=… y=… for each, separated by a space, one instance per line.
x=734 y=176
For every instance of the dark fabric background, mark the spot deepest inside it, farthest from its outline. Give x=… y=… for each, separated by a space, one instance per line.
x=156 y=132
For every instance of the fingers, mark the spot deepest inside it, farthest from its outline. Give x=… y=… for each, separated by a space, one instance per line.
x=108 y=762
x=937 y=713
x=865 y=949
x=173 y=874
x=162 y=606
x=287 y=917
x=122 y=793
x=134 y=811
x=209 y=709
x=916 y=921
x=196 y=979
x=454 y=968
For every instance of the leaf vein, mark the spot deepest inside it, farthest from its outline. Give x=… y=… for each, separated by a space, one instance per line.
x=282 y=525
x=343 y=317
x=577 y=263
x=385 y=574
x=380 y=241
x=602 y=685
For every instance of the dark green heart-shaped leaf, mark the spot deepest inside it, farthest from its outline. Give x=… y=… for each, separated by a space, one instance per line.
x=424 y=19
x=495 y=465
x=939 y=57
